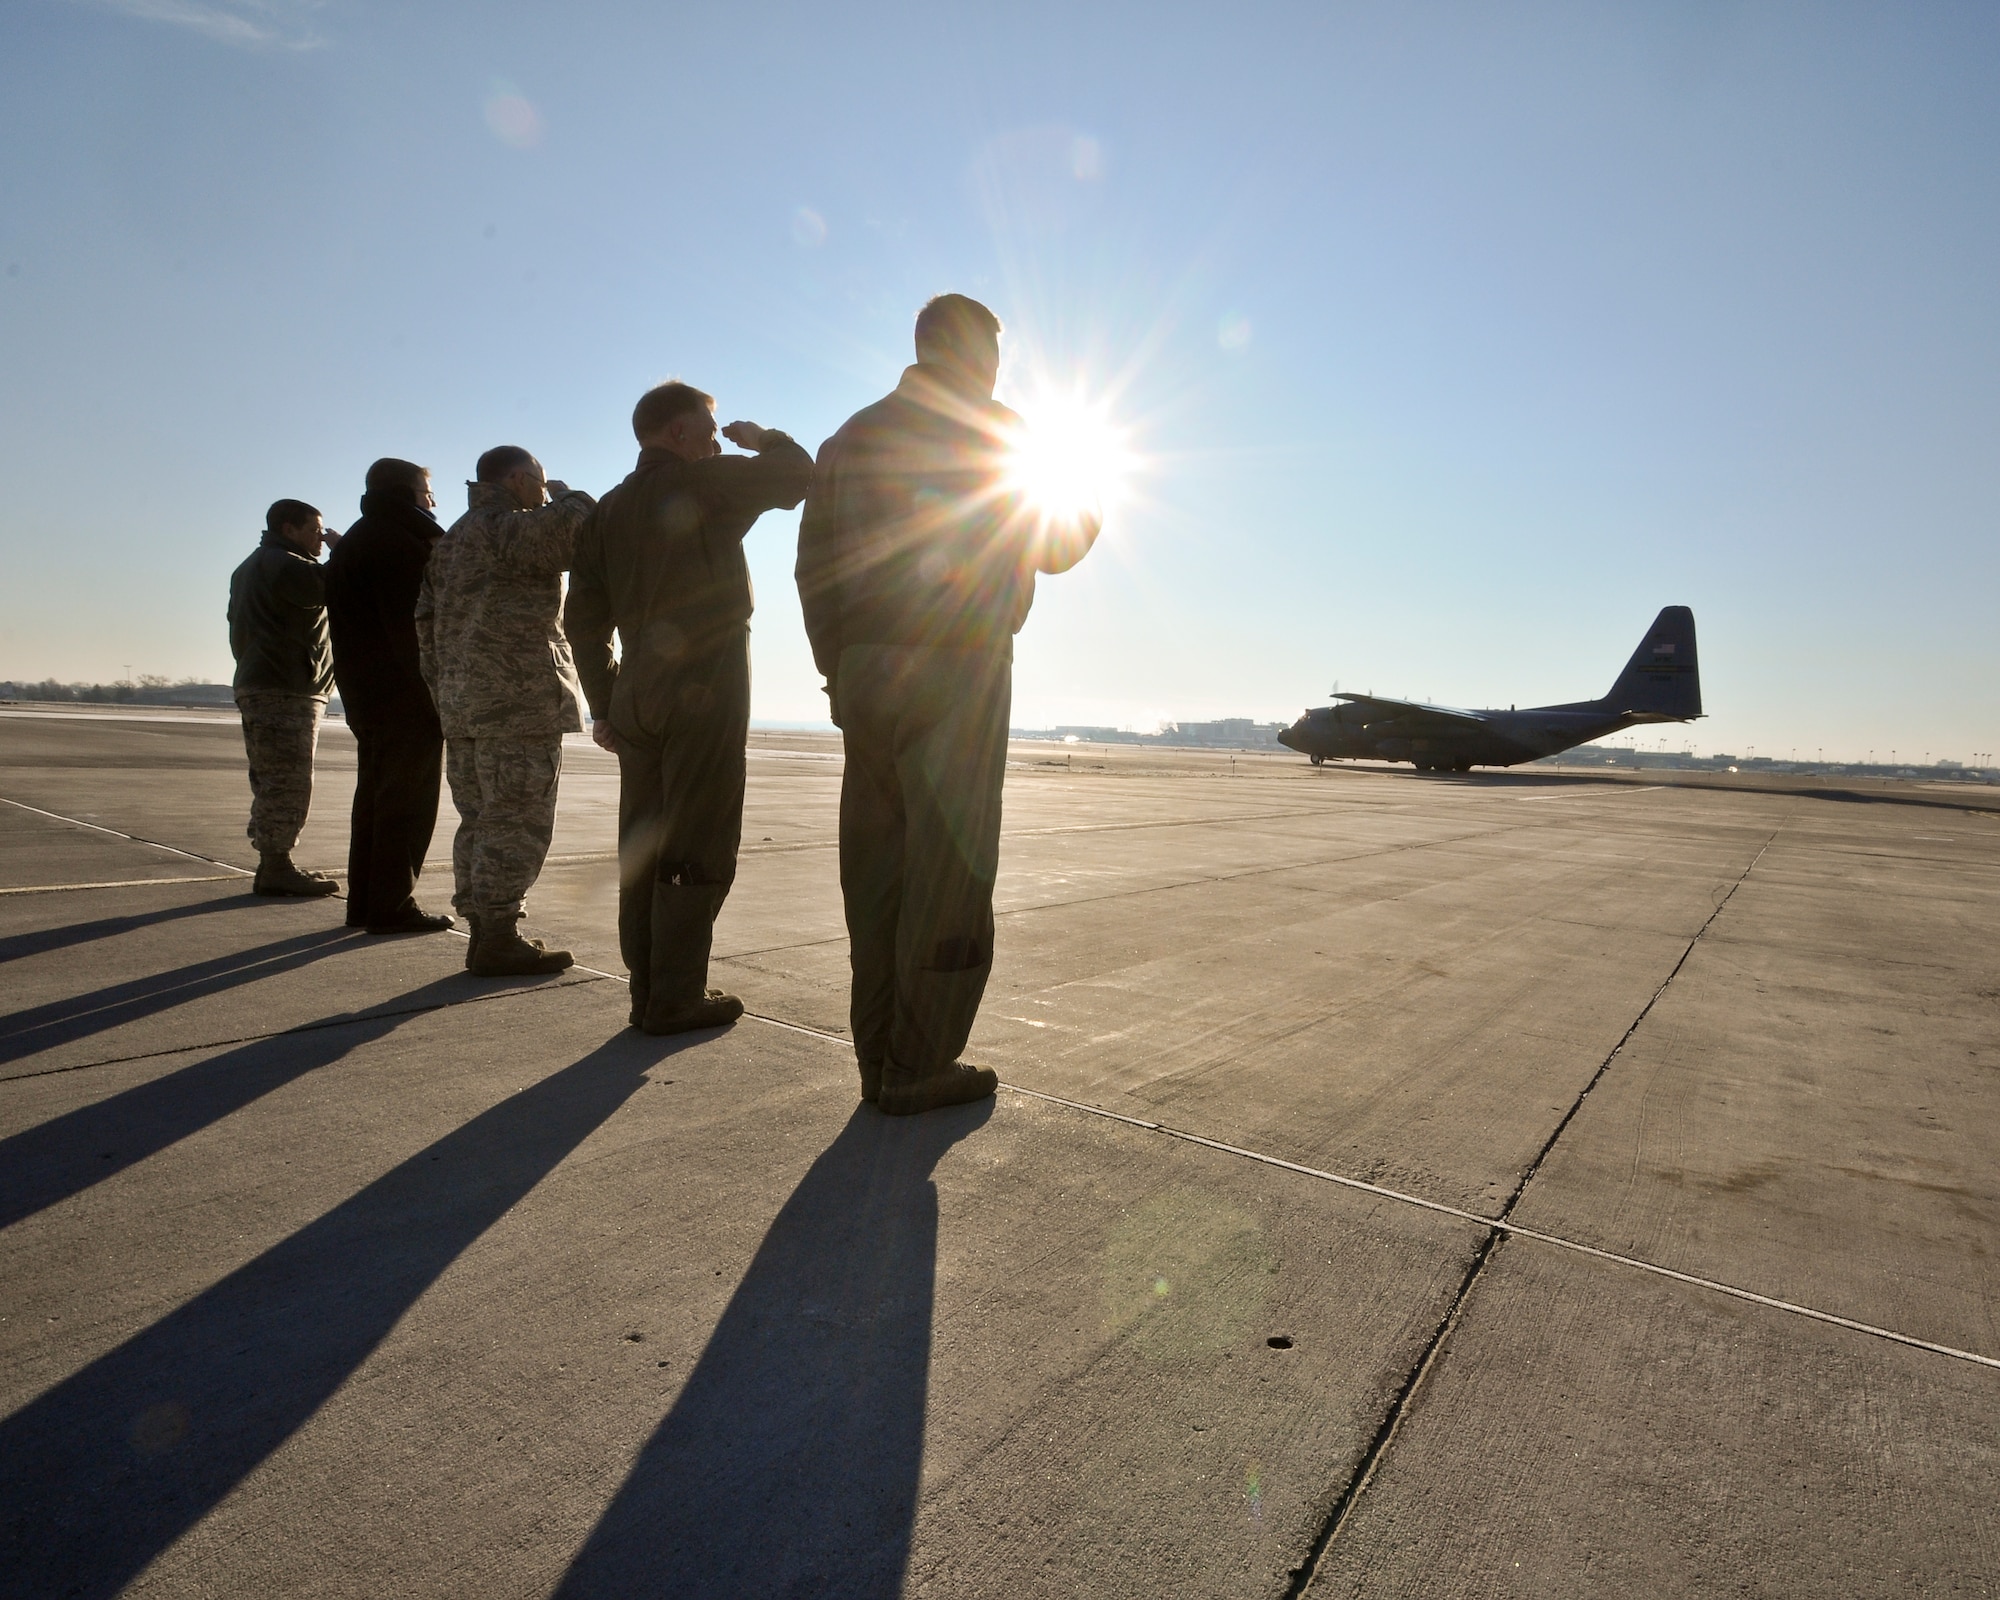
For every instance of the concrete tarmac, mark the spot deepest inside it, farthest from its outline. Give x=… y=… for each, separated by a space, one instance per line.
x=1519 y=1184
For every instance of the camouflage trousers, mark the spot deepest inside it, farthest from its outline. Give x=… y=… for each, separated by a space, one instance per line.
x=505 y=791
x=280 y=734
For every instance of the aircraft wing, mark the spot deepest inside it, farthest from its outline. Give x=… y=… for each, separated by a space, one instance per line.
x=1443 y=718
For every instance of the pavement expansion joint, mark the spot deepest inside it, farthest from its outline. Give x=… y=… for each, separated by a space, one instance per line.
x=1497 y=1226
x=123 y=883
x=1341 y=1486
x=1398 y=1407
x=1576 y=1105
x=116 y=833
x=1344 y=1503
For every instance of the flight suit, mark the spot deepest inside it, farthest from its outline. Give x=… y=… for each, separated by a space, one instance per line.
x=661 y=562
x=916 y=569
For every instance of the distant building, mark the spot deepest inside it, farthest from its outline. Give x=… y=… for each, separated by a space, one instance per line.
x=1230 y=733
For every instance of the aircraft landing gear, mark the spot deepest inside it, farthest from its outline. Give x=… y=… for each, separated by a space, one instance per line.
x=1318 y=761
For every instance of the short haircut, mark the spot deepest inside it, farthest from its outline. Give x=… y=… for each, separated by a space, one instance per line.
x=954 y=322
x=661 y=405
x=390 y=473
x=500 y=460
x=289 y=514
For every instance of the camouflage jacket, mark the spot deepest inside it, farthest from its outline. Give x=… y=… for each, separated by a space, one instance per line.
x=489 y=619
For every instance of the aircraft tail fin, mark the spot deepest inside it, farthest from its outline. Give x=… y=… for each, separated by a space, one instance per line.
x=1662 y=681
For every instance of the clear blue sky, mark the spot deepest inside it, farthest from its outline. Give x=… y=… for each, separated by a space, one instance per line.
x=1458 y=339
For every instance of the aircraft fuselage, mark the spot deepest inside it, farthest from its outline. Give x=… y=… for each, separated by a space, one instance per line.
x=1504 y=738
x=1661 y=683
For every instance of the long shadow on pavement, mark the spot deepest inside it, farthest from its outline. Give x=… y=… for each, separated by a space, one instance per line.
x=111 y=1466
x=24 y=1033
x=40 y=941
x=53 y=1160
x=790 y=1463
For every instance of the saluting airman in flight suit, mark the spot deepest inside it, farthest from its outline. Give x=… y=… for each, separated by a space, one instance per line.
x=661 y=561
x=916 y=569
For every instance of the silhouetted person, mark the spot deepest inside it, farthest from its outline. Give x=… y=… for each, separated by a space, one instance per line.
x=284 y=673
x=916 y=568
x=489 y=632
x=661 y=561
x=372 y=580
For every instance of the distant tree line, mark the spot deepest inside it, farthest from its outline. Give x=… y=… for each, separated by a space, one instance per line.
x=149 y=690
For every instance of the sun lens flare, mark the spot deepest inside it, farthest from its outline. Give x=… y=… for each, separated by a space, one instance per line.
x=1070 y=459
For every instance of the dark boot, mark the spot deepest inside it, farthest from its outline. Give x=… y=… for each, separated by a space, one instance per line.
x=935 y=1009
x=411 y=919
x=472 y=939
x=276 y=875
x=714 y=1010
x=676 y=987
x=500 y=952
x=904 y=1093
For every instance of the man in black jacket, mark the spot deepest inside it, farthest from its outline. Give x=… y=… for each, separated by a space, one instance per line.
x=661 y=560
x=372 y=580
x=917 y=564
x=284 y=672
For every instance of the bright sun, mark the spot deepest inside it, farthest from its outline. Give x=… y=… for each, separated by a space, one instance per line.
x=1070 y=458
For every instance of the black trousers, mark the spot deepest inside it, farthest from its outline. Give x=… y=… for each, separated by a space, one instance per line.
x=926 y=739
x=680 y=821
x=400 y=764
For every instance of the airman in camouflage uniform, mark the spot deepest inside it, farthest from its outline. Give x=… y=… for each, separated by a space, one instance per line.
x=284 y=673
x=489 y=626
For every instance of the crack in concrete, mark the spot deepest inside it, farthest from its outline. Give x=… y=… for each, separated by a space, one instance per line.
x=1497 y=1228
x=1385 y=1435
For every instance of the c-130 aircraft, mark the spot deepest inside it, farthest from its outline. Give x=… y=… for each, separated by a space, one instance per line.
x=1661 y=683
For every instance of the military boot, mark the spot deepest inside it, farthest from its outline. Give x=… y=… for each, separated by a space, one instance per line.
x=683 y=925
x=713 y=1010
x=277 y=875
x=904 y=1092
x=472 y=939
x=499 y=951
